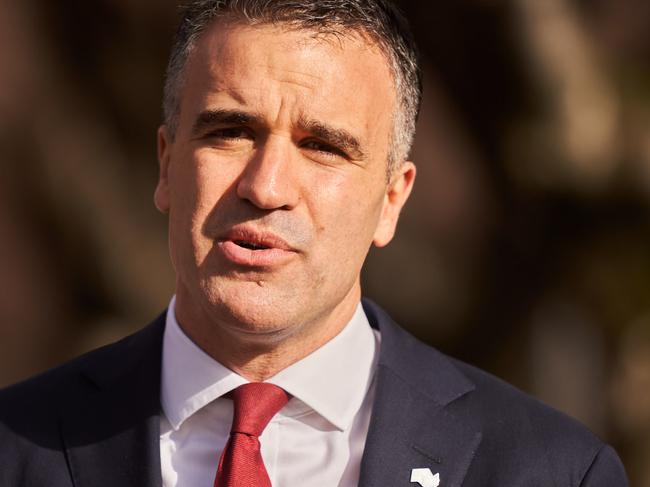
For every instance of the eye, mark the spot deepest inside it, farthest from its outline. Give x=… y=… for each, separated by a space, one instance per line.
x=229 y=138
x=230 y=133
x=323 y=149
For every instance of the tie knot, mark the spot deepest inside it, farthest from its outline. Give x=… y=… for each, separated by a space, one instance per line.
x=255 y=404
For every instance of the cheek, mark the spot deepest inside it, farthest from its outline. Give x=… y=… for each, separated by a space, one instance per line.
x=202 y=182
x=196 y=188
x=346 y=214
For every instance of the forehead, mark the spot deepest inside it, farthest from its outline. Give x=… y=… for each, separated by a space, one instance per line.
x=327 y=75
x=224 y=37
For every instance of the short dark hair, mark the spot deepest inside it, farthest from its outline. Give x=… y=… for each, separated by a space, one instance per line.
x=380 y=20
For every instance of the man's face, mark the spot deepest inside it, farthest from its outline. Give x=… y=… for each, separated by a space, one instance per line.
x=275 y=181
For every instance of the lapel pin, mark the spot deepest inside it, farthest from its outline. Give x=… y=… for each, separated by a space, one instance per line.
x=424 y=477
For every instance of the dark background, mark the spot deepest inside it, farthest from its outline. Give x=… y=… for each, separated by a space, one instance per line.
x=525 y=248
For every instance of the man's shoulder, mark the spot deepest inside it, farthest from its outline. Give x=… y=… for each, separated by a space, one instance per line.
x=33 y=403
x=517 y=431
x=482 y=398
x=78 y=406
x=504 y=412
x=501 y=407
x=56 y=380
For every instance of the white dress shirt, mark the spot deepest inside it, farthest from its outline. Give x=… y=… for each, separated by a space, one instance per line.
x=316 y=440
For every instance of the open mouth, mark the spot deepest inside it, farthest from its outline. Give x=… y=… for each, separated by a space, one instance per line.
x=250 y=245
x=245 y=247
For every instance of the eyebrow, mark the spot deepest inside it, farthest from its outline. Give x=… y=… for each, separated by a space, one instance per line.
x=340 y=138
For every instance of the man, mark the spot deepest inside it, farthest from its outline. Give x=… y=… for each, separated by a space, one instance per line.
x=282 y=159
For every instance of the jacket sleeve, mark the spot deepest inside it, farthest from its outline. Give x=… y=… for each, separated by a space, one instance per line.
x=605 y=471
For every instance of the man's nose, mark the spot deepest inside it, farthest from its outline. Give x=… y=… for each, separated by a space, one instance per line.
x=268 y=179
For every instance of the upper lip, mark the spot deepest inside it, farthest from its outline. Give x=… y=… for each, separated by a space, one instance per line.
x=258 y=238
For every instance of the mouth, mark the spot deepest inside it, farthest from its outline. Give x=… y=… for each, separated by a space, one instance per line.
x=248 y=247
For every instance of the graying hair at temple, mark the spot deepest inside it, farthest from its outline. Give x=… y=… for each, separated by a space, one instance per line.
x=380 y=20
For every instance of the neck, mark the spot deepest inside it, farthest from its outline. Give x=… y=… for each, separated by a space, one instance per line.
x=259 y=356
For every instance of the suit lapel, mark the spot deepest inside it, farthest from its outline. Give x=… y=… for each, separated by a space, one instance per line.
x=111 y=429
x=411 y=425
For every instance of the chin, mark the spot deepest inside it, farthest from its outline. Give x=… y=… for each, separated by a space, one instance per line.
x=251 y=310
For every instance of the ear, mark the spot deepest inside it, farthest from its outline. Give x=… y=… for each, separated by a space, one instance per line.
x=397 y=192
x=161 y=194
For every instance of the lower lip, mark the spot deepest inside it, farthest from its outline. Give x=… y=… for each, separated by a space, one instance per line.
x=254 y=258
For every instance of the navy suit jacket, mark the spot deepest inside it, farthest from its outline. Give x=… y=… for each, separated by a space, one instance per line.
x=95 y=422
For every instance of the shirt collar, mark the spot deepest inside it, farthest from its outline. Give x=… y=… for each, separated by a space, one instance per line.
x=333 y=380
x=190 y=378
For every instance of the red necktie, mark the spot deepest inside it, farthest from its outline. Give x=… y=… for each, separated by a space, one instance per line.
x=241 y=462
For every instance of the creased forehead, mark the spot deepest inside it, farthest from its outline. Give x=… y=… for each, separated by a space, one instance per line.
x=216 y=40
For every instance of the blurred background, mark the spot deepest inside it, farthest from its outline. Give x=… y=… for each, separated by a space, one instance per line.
x=525 y=248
